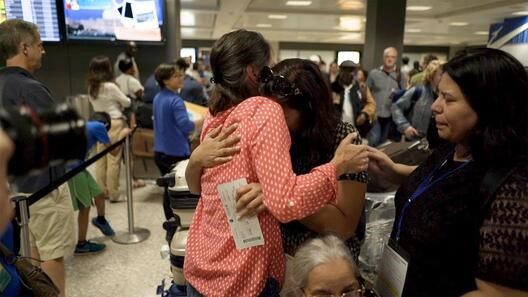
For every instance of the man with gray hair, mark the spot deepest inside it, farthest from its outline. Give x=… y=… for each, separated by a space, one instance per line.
x=382 y=82
x=51 y=218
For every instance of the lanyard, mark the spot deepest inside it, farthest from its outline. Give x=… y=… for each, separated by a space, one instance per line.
x=422 y=188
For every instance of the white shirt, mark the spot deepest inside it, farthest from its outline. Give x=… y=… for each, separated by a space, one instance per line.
x=110 y=100
x=128 y=84
x=348 y=112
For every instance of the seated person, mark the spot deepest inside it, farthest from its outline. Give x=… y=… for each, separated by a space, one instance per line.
x=322 y=267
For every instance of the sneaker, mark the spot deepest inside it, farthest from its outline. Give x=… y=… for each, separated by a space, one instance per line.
x=105 y=227
x=89 y=247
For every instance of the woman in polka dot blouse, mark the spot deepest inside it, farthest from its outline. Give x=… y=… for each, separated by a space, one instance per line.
x=213 y=265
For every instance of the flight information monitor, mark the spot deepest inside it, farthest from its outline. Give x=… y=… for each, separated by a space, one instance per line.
x=2 y=11
x=138 y=20
x=43 y=13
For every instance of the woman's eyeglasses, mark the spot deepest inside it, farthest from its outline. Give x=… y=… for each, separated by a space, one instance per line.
x=351 y=293
x=278 y=84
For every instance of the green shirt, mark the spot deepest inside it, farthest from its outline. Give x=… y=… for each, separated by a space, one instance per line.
x=416 y=80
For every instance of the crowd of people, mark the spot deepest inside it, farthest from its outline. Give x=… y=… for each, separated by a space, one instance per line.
x=304 y=142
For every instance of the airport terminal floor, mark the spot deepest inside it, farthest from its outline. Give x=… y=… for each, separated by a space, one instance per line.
x=123 y=270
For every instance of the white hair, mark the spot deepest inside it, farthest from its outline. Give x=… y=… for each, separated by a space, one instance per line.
x=313 y=253
x=386 y=51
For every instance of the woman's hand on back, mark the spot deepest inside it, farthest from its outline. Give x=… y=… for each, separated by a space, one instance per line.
x=218 y=147
x=350 y=158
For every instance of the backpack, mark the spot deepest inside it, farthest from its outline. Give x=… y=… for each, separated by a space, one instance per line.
x=418 y=90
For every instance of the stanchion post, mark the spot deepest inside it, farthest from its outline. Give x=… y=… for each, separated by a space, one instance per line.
x=134 y=235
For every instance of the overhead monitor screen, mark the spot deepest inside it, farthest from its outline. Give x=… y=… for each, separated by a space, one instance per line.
x=2 y=11
x=43 y=13
x=138 y=20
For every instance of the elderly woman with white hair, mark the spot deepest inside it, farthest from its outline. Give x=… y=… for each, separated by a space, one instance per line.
x=322 y=267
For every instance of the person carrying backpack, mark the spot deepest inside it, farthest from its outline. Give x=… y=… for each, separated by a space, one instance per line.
x=412 y=111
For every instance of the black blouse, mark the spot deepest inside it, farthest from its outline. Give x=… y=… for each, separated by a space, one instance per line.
x=295 y=233
x=440 y=228
x=503 y=253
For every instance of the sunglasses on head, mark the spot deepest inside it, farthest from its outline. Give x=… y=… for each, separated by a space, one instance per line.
x=277 y=84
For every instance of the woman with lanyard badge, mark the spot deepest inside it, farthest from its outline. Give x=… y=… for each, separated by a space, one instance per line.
x=434 y=245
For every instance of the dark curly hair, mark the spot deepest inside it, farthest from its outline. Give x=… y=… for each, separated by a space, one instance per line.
x=496 y=87
x=316 y=136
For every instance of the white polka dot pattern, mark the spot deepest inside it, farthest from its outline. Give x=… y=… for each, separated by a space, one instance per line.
x=212 y=263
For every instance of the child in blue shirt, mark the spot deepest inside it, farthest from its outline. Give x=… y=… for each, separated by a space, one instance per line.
x=83 y=189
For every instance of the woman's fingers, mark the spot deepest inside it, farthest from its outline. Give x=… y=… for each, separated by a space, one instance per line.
x=214 y=132
x=348 y=139
x=246 y=194
x=252 y=208
x=227 y=132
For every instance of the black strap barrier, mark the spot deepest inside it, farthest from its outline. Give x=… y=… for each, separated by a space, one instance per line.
x=56 y=183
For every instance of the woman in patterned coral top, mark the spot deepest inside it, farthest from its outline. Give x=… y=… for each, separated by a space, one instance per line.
x=315 y=132
x=213 y=265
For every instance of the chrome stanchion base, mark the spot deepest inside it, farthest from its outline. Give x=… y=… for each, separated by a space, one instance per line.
x=125 y=237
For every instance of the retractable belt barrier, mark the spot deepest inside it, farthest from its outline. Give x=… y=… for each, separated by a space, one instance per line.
x=133 y=235
x=58 y=182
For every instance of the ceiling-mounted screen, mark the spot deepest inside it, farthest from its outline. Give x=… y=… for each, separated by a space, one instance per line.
x=43 y=13
x=2 y=11
x=138 y=20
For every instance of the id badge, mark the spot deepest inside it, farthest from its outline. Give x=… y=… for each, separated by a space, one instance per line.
x=5 y=278
x=392 y=271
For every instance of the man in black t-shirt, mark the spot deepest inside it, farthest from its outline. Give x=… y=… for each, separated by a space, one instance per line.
x=51 y=218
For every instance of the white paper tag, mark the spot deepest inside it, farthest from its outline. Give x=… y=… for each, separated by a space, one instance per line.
x=391 y=275
x=246 y=232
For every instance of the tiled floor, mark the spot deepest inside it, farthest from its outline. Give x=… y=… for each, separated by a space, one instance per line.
x=123 y=270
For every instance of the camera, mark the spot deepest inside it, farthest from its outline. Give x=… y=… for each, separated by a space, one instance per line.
x=42 y=139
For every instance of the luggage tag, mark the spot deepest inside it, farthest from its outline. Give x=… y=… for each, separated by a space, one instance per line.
x=246 y=232
x=392 y=272
x=5 y=278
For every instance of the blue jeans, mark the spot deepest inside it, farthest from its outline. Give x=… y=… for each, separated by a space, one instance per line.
x=271 y=289
x=379 y=132
x=191 y=292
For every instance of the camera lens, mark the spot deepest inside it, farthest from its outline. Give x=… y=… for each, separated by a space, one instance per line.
x=49 y=138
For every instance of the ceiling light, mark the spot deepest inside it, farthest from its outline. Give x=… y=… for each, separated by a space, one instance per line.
x=418 y=8
x=350 y=23
x=298 y=3
x=413 y=30
x=459 y=24
x=524 y=12
x=482 y=32
x=264 y=25
x=350 y=36
x=277 y=16
x=187 y=31
x=186 y=18
x=350 y=4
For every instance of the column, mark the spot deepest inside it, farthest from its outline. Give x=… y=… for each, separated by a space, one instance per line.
x=173 y=30
x=385 y=28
